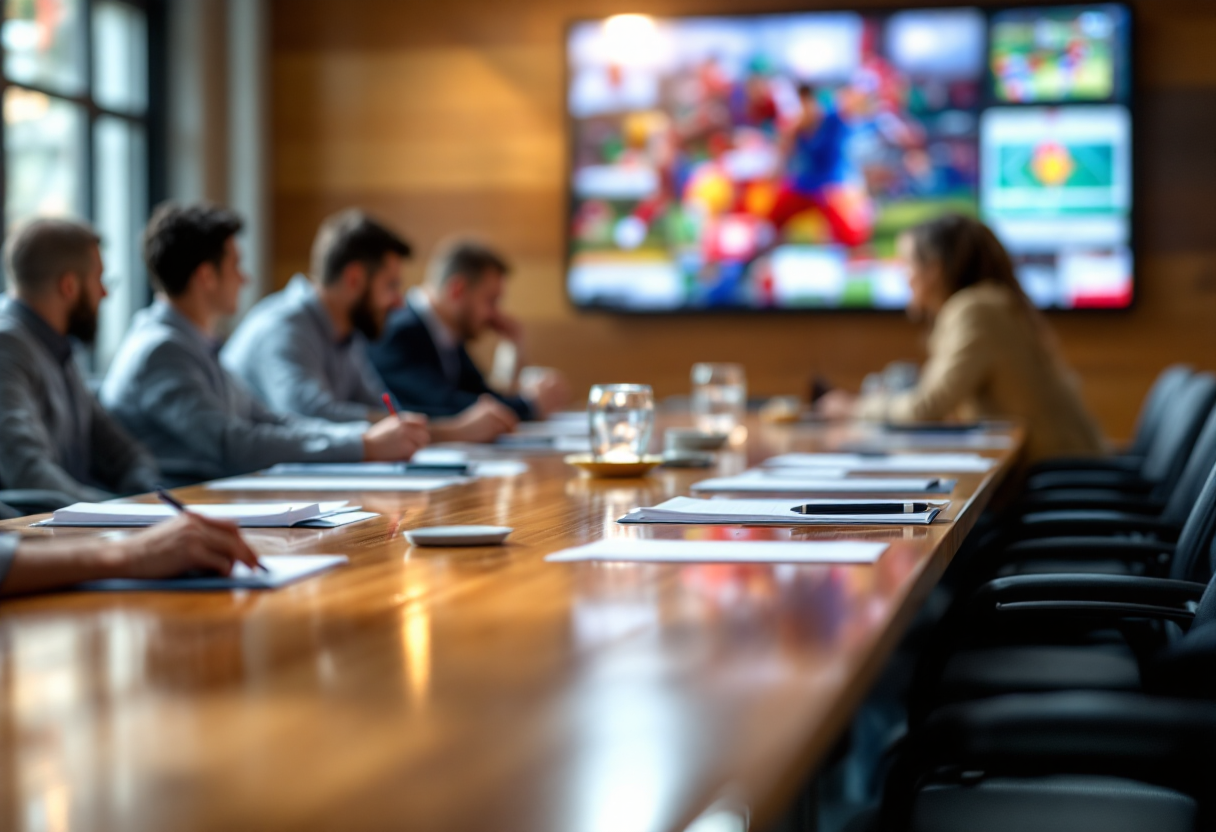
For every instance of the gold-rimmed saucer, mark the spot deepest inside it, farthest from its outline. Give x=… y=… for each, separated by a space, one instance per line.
x=612 y=469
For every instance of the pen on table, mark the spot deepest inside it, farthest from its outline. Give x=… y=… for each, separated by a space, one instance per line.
x=863 y=508
x=171 y=501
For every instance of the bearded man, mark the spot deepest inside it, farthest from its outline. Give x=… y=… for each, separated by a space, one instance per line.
x=303 y=350
x=54 y=435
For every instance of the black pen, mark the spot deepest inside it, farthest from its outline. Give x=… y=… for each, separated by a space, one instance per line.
x=863 y=508
x=169 y=500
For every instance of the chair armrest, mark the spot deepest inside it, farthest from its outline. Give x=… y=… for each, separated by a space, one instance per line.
x=1090 y=523
x=1109 y=597
x=1128 y=481
x=1157 y=552
x=1082 y=499
x=1120 y=462
x=34 y=501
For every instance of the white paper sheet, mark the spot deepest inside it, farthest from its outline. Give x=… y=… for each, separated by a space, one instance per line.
x=282 y=570
x=759 y=482
x=272 y=483
x=721 y=551
x=247 y=515
x=771 y=513
x=895 y=463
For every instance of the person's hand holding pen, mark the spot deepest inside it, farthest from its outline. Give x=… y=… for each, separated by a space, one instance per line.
x=188 y=541
x=396 y=438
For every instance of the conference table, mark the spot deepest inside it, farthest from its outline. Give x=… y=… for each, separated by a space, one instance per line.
x=465 y=689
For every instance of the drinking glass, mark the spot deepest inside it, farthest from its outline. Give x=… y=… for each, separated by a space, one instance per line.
x=622 y=418
x=719 y=396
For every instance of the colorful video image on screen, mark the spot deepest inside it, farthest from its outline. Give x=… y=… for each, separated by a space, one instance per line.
x=771 y=162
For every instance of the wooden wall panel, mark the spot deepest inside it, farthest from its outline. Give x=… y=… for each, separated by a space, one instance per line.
x=447 y=117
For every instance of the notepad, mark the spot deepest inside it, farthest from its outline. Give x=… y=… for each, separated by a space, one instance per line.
x=281 y=570
x=273 y=483
x=787 y=481
x=769 y=513
x=721 y=551
x=370 y=469
x=557 y=444
x=246 y=515
x=880 y=463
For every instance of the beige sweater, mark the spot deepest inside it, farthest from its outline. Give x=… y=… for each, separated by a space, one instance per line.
x=989 y=360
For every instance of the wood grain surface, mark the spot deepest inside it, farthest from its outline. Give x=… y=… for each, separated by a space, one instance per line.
x=460 y=689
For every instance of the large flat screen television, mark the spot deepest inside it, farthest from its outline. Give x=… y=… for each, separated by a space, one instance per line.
x=771 y=161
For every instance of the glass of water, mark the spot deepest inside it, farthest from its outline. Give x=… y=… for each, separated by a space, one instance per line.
x=622 y=419
x=719 y=396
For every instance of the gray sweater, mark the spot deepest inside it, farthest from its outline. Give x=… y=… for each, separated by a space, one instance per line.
x=53 y=432
x=286 y=352
x=166 y=386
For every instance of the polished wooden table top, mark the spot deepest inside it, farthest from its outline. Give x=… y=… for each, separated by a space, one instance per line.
x=454 y=689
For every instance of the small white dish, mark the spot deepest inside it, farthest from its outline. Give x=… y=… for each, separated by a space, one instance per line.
x=459 y=535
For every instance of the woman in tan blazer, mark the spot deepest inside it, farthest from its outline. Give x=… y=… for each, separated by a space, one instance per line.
x=991 y=354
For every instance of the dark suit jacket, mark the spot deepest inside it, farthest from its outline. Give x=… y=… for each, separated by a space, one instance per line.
x=408 y=361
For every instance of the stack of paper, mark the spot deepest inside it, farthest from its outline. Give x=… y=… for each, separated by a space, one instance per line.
x=771 y=513
x=722 y=551
x=798 y=481
x=335 y=483
x=246 y=515
x=885 y=463
x=280 y=571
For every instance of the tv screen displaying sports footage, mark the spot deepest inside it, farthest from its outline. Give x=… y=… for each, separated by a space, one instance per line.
x=772 y=161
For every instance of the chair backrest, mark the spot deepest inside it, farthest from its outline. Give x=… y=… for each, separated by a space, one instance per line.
x=1169 y=382
x=1184 y=418
x=1194 y=474
x=1192 y=554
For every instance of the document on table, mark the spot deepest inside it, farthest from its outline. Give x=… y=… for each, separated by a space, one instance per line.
x=722 y=551
x=369 y=469
x=789 y=481
x=886 y=463
x=558 y=444
x=246 y=515
x=281 y=570
x=273 y=483
x=771 y=513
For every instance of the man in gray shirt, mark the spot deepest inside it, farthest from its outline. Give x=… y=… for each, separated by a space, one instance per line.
x=166 y=384
x=303 y=350
x=54 y=435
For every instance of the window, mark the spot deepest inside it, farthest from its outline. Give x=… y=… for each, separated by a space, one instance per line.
x=75 y=90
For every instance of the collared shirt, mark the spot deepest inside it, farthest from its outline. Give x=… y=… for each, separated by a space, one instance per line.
x=446 y=342
x=287 y=352
x=53 y=433
x=166 y=385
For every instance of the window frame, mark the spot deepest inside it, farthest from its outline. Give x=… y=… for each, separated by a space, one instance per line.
x=150 y=120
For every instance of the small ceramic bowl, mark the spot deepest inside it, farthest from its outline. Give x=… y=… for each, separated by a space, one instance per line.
x=690 y=439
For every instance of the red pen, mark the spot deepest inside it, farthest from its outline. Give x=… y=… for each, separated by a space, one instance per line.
x=388 y=404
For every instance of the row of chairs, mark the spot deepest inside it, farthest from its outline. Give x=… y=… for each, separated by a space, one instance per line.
x=1071 y=685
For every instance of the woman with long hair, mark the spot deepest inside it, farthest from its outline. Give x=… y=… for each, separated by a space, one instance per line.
x=991 y=353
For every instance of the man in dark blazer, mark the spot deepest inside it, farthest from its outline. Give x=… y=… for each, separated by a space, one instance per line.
x=422 y=357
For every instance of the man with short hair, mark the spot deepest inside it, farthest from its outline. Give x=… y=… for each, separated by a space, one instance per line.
x=304 y=350
x=166 y=384
x=422 y=356
x=54 y=435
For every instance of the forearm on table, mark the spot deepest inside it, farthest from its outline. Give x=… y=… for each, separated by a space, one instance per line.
x=46 y=564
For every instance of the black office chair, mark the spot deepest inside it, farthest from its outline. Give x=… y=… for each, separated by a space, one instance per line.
x=1183 y=419
x=1045 y=760
x=1058 y=762
x=1148 y=422
x=1071 y=631
x=1044 y=540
